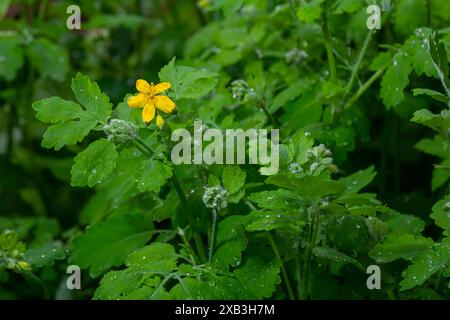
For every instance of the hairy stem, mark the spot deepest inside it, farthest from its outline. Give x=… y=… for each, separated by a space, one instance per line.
x=314 y=228
x=146 y=150
x=358 y=62
x=328 y=44
x=364 y=88
x=213 y=235
x=269 y=116
x=197 y=239
x=284 y=274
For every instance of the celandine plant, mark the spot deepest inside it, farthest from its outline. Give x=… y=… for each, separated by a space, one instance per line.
x=190 y=197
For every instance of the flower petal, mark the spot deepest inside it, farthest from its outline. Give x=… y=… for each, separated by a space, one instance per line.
x=143 y=86
x=164 y=104
x=159 y=121
x=136 y=101
x=148 y=113
x=163 y=86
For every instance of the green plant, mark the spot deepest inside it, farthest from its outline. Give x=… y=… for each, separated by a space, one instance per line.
x=354 y=108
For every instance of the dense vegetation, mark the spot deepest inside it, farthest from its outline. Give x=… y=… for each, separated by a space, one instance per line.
x=88 y=180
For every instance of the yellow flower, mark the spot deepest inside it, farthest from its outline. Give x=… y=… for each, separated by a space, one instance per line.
x=149 y=99
x=24 y=265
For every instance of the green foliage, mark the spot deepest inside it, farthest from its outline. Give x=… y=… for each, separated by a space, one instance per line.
x=188 y=82
x=94 y=164
x=11 y=57
x=73 y=123
x=364 y=153
x=107 y=244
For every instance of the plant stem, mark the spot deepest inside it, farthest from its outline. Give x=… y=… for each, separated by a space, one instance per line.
x=328 y=44
x=42 y=10
x=183 y=237
x=141 y=146
x=308 y=255
x=269 y=116
x=197 y=239
x=298 y=275
x=145 y=146
x=358 y=62
x=364 y=88
x=141 y=149
x=284 y=274
x=213 y=235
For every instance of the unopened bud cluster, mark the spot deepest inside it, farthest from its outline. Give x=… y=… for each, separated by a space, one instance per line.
x=241 y=91
x=215 y=197
x=295 y=56
x=294 y=167
x=320 y=158
x=120 y=131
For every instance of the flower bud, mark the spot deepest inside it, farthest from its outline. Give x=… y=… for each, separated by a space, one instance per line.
x=295 y=56
x=215 y=197
x=159 y=121
x=118 y=130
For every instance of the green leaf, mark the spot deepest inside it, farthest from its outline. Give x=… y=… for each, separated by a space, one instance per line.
x=50 y=59
x=381 y=61
x=438 y=147
x=45 y=255
x=266 y=221
x=416 y=48
x=292 y=92
x=441 y=174
x=141 y=279
x=107 y=244
x=347 y=233
x=436 y=122
x=395 y=81
x=188 y=82
x=88 y=94
x=213 y=181
x=11 y=57
x=152 y=174
x=404 y=246
x=436 y=95
x=258 y=277
x=55 y=109
x=336 y=256
x=71 y=123
x=114 y=284
x=157 y=257
x=424 y=265
x=348 y=6
x=228 y=6
x=409 y=14
x=311 y=11
x=441 y=214
x=280 y=199
x=94 y=164
x=357 y=181
x=307 y=186
x=233 y=179
x=231 y=241
x=66 y=133
x=298 y=146
x=403 y=223
x=439 y=57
